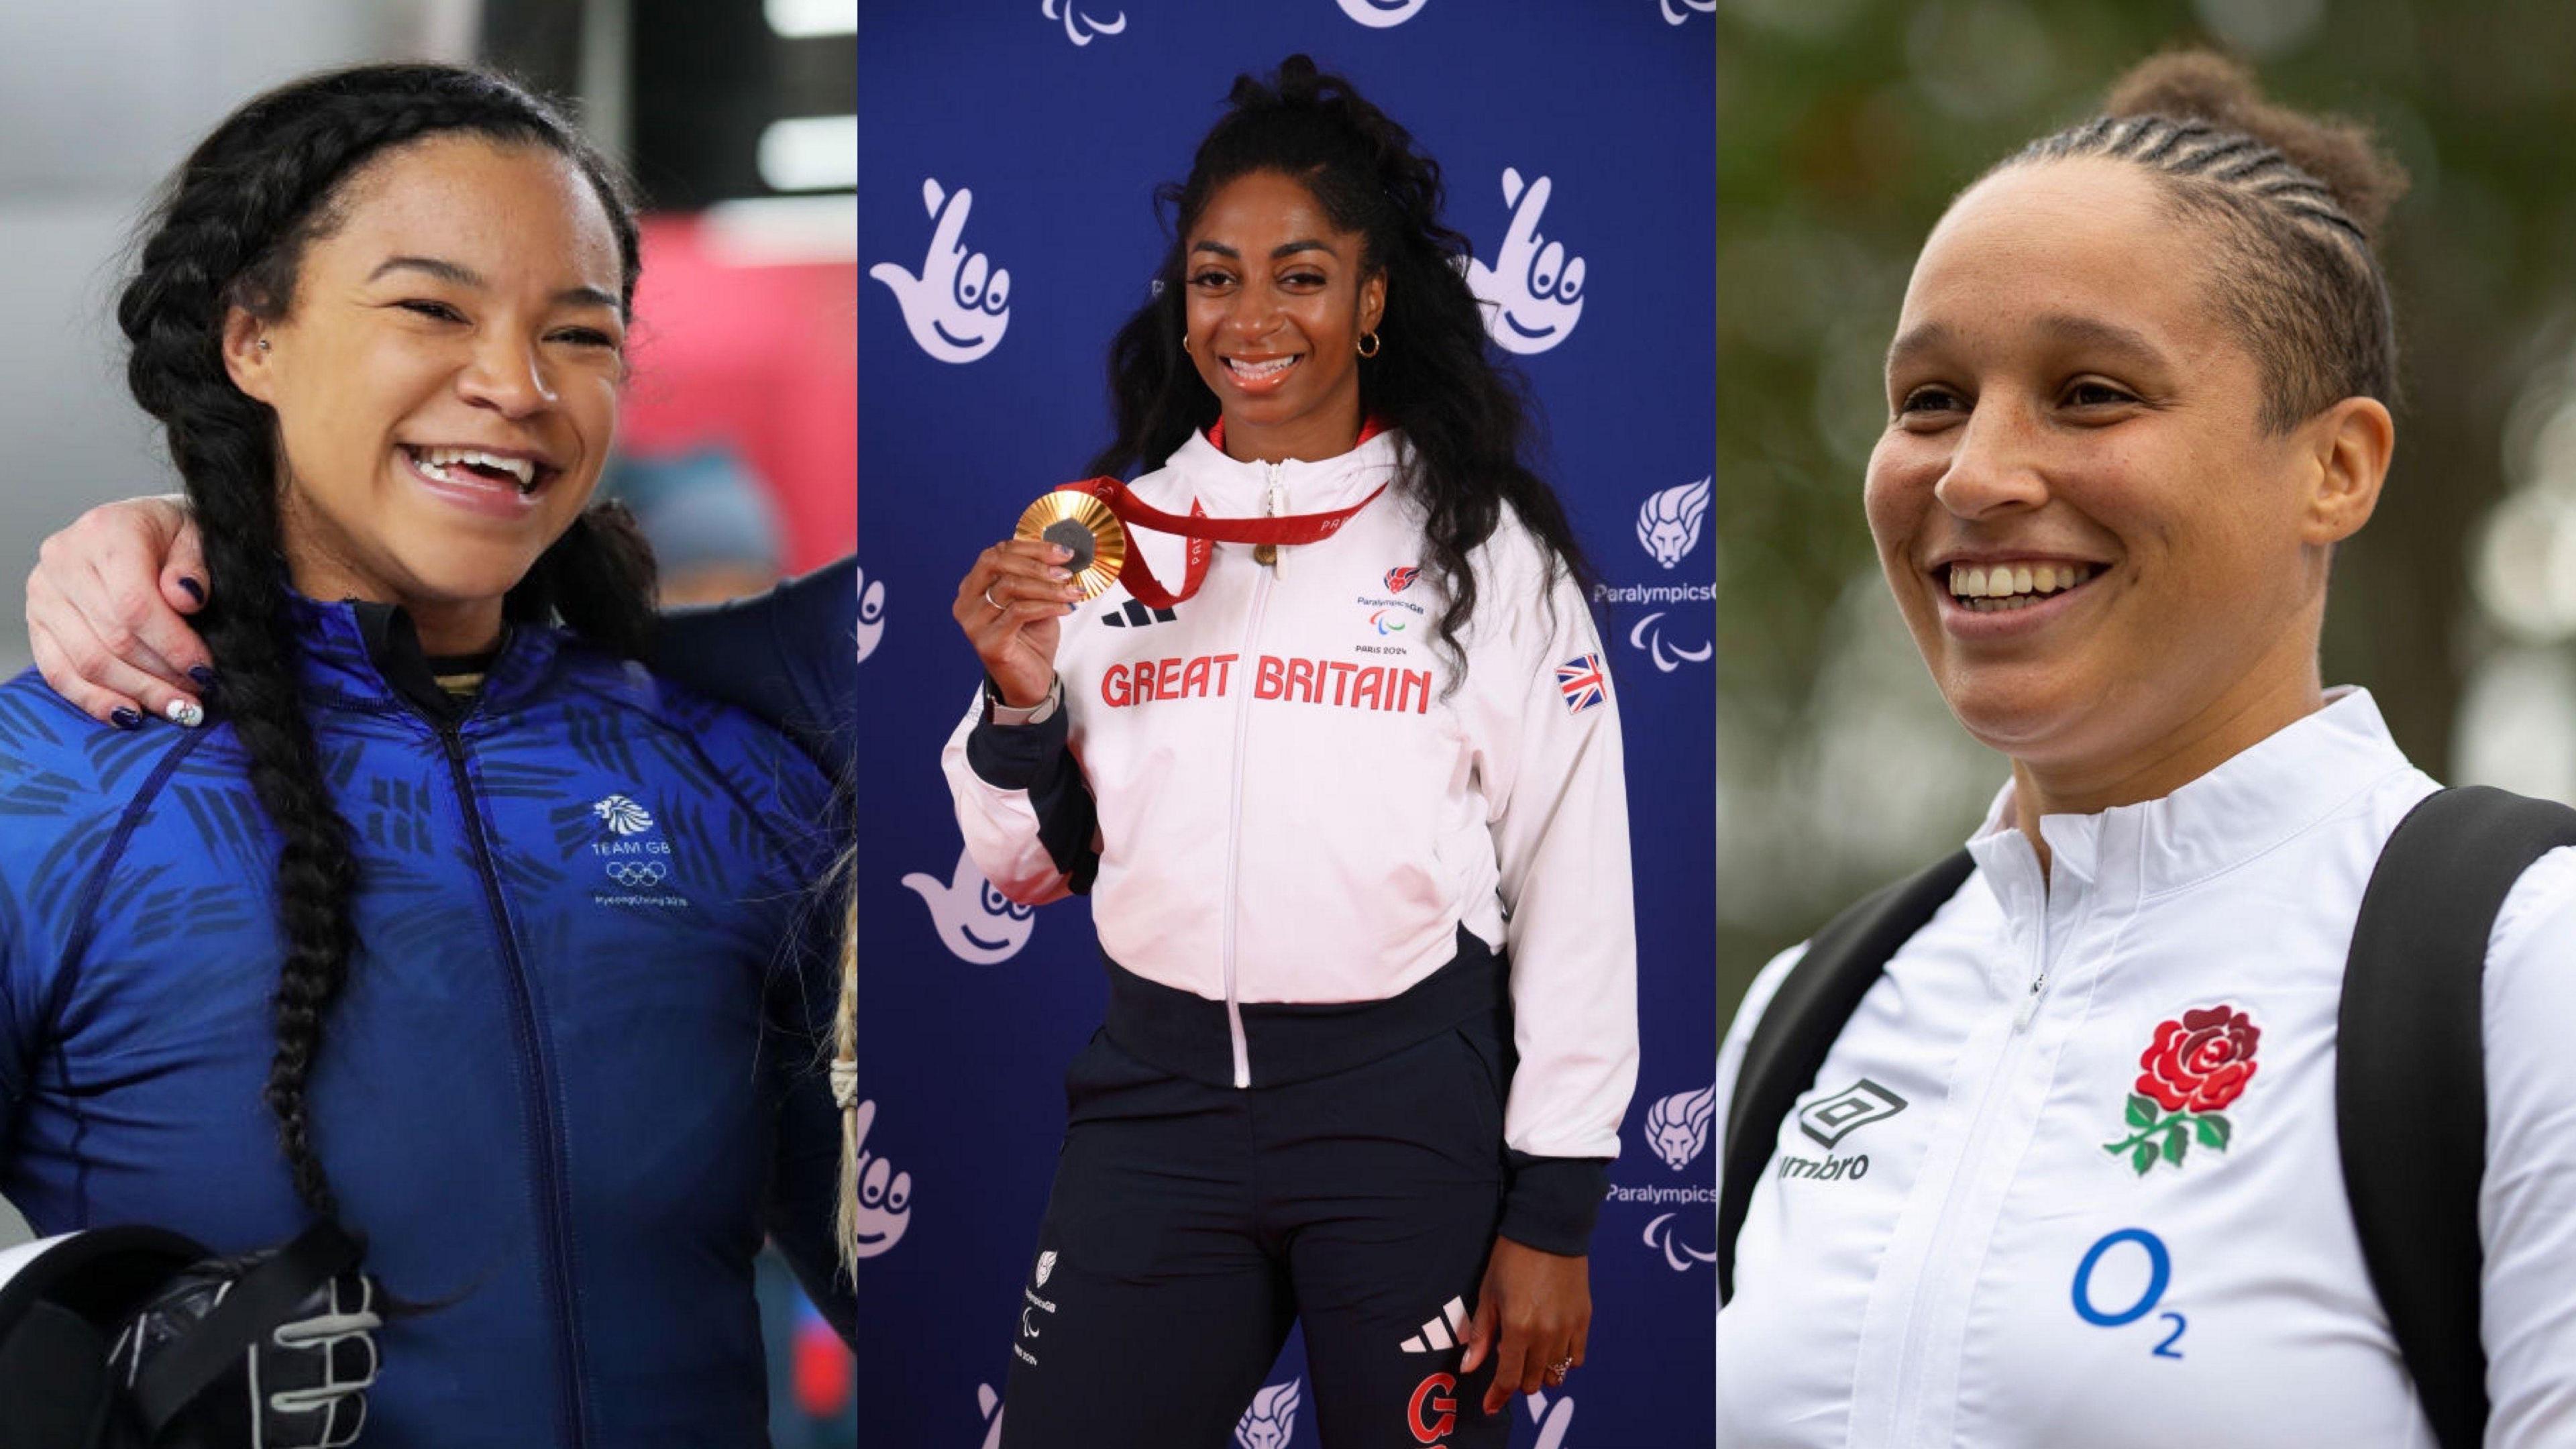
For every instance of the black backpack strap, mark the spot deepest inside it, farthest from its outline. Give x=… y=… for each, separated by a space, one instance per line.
x=2410 y=1077
x=1798 y=1029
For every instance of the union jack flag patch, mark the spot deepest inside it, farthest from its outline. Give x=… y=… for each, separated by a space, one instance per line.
x=1582 y=683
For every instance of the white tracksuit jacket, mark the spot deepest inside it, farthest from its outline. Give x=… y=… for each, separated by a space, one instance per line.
x=1939 y=1294
x=1289 y=811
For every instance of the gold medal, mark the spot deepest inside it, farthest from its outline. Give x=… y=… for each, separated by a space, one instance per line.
x=1084 y=527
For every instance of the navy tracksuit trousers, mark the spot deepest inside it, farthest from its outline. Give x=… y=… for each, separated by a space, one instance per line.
x=1355 y=1188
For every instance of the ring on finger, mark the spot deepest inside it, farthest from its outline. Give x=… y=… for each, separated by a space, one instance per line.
x=1557 y=1371
x=988 y=598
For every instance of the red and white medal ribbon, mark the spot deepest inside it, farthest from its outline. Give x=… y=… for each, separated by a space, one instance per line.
x=1203 y=533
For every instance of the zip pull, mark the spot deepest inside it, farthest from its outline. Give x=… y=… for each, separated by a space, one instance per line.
x=2030 y=1002
x=1271 y=505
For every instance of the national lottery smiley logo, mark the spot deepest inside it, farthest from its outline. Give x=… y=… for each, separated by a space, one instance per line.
x=1382 y=14
x=959 y=305
x=1533 y=292
x=975 y=921
x=871 y=614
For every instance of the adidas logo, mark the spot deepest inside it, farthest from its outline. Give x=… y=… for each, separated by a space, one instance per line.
x=1136 y=616
x=1442 y=1333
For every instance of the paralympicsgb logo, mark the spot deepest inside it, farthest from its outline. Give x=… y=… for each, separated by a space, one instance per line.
x=1668 y=523
x=960 y=305
x=623 y=816
x=1079 y=28
x=1271 y=1418
x=1533 y=292
x=1677 y=1126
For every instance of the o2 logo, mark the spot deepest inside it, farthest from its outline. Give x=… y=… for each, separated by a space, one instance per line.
x=960 y=305
x=1533 y=293
x=1081 y=29
x=2159 y=1265
x=871 y=615
x=1681 y=12
x=1381 y=14
x=975 y=921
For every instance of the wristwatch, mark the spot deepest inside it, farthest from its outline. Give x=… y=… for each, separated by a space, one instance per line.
x=1010 y=714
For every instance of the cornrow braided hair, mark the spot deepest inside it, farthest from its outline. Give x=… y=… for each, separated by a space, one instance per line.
x=2295 y=201
x=230 y=230
x=1462 y=408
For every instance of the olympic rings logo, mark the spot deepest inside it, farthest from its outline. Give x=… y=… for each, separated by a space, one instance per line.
x=636 y=874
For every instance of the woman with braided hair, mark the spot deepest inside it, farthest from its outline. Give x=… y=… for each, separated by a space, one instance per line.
x=1365 y=896
x=2131 y=1124
x=507 y=936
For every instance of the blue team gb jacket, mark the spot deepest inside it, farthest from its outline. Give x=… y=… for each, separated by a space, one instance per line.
x=573 y=1077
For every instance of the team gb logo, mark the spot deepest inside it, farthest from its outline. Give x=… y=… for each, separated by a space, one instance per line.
x=622 y=816
x=1668 y=523
x=960 y=305
x=1677 y=1126
x=1533 y=293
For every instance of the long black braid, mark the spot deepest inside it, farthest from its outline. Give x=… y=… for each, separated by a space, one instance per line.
x=1437 y=376
x=230 y=231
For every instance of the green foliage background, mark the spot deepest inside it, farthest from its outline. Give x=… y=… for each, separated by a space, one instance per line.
x=1844 y=126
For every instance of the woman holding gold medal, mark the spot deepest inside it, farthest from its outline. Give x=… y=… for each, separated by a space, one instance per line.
x=1328 y=739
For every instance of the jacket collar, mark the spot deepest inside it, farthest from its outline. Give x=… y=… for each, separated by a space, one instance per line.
x=2255 y=802
x=1230 y=488
x=369 y=655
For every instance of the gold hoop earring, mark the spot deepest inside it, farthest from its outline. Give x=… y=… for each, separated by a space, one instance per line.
x=1369 y=345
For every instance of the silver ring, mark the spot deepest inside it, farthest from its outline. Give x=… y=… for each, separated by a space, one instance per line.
x=1557 y=1371
x=998 y=605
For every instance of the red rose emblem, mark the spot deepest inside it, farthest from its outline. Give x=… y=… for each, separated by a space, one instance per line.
x=2202 y=1062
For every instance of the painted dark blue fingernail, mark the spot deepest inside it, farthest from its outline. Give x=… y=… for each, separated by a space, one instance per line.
x=125 y=717
x=196 y=591
x=205 y=677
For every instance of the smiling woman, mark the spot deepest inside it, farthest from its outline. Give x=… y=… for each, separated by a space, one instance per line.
x=487 y=916
x=446 y=381
x=1309 y=856
x=2140 y=390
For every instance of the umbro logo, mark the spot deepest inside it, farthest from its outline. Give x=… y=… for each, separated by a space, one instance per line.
x=1848 y=1111
x=1136 y=616
x=1442 y=1331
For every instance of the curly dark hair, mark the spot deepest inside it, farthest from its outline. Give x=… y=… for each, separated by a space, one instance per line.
x=1437 y=377
x=2293 y=202
x=230 y=231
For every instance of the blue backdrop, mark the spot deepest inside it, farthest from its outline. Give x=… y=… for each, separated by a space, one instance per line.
x=1008 y=151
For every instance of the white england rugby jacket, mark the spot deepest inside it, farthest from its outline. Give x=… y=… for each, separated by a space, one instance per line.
x=1289 y=811
x=1948 y=1250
